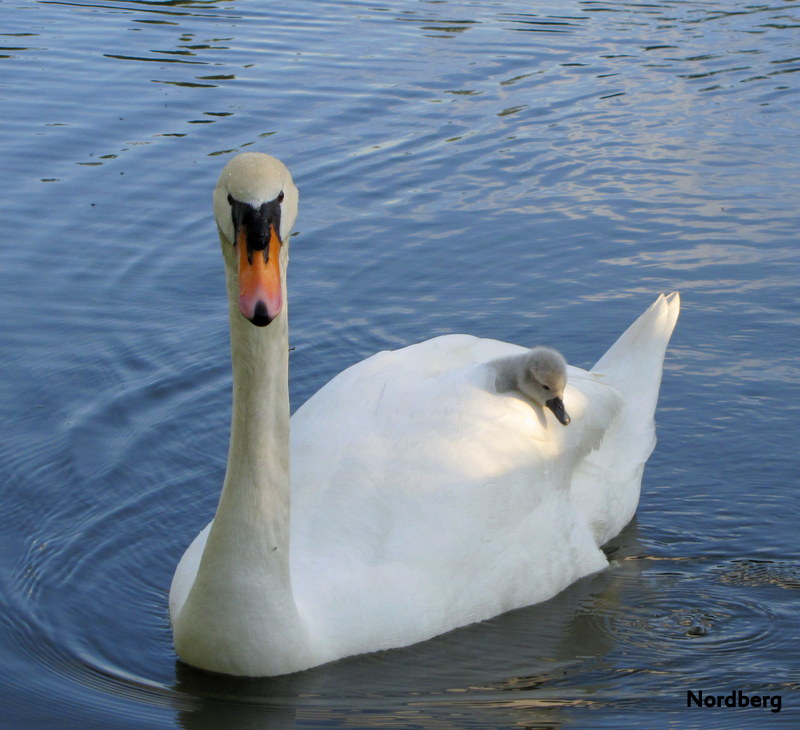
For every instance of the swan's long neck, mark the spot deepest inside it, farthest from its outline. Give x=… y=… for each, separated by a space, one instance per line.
x=243 y=589
x=256 y=493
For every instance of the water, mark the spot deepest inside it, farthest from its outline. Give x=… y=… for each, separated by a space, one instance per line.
x=526 y=171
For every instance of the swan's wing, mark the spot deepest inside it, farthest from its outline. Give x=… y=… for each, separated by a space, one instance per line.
x=433 y=494
x=186 y=571
x=601 y=484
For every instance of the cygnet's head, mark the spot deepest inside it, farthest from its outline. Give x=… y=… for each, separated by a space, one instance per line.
x=541 y=375
x=543 y=378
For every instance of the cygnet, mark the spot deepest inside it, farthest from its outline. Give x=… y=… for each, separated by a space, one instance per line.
x=540 y=374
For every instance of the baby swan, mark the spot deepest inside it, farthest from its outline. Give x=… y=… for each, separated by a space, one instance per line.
x=540 y=374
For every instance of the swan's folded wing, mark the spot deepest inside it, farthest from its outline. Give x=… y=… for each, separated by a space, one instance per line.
x=425 y=476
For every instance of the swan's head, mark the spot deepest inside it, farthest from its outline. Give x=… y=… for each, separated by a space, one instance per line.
x=542 y=377
x=255 y=206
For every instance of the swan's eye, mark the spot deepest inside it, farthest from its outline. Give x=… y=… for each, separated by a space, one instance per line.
x=230 y=199
x=280 y=196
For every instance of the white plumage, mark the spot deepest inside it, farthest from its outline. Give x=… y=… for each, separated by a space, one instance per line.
x=420 y=498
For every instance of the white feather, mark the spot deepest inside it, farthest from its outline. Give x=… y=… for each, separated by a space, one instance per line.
x=420 y=498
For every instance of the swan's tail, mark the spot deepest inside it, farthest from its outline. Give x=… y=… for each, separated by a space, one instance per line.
x=606 y=487
x=633 y=363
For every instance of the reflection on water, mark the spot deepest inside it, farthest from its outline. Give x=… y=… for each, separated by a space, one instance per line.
x=528 y=173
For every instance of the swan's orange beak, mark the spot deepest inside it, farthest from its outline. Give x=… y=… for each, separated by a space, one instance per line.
x=260 y=296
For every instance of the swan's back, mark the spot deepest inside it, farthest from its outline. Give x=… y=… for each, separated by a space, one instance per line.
x=432 y=501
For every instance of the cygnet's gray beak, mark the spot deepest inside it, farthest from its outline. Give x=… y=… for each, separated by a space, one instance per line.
x=557 y=406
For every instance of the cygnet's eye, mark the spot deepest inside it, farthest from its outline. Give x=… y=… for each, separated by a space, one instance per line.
x=280 y=196
x=546 y=387
x=230 y=199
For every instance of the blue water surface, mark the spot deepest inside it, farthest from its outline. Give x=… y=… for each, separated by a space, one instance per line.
x=528 y=171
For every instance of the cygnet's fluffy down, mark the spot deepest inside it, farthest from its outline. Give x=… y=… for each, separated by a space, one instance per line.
x=540 y=374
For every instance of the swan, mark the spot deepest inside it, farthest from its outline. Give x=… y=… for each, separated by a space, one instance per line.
x=427 y=491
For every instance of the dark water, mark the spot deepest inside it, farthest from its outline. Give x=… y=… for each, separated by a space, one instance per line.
x=527 y=171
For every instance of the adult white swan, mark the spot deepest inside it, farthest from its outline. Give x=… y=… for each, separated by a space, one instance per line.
x=420 y=499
